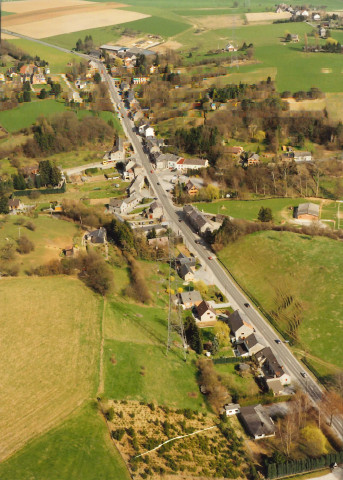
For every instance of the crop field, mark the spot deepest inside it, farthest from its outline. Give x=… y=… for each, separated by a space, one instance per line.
x=26 y=113
x=306 y=270
x=79 y=448
x=248 y=209
x=49 y=355
x=33 y=20
x=50 y=237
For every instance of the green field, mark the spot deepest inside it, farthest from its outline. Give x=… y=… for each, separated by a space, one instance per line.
x=136 y=364
x=79 y=448
x=157 y=26
x=306 y=270
x=26 y=113
x=248 y=209
x=57 y=60
x=100 y=35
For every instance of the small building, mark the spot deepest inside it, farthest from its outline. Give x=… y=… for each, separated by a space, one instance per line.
x=294 y=37
x=230 y=48
x=236 y=150
x=186 y=273
x=182 y=259
x=307 y=211
x=253 y=159
x=257 y=422
x=96 y=236
x=275 y=386
x=301 y=156
x=232 y=409
x=191 y=189
x=190 y=299
x=316 y=16
x=322 y=32
x=205 y=312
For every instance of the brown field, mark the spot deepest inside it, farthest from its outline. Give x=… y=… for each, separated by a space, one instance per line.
x=215 y=22
x=308 y=105
x=168 y=45
x=50 y=337
x=33 y=19
x=266 y=17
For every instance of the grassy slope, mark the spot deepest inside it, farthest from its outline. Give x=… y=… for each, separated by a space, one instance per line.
x=309 y=269
x=27 y=113
x=79 y=448
x=248 y=210
x=49 y=354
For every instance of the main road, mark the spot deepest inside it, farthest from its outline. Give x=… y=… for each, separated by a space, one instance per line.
x=220 y=277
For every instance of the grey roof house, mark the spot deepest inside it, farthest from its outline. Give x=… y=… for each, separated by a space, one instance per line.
x=257 y=422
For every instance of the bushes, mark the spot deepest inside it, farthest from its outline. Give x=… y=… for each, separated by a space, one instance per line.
x=138 y=289
x=25 y=245
x=30 y=226
x=209 y=379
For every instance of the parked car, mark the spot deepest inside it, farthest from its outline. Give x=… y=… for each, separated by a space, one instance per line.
x=303 y=374
x=247 y=305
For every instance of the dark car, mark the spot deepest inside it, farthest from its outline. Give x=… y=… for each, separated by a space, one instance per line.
x=158 y=183
x=303 y=374
x=277 y=341
x=247 y=305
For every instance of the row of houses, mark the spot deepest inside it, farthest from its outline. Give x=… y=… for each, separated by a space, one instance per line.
x=198 y=221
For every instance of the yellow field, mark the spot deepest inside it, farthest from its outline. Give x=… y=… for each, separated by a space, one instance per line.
x=49 y=357
x=36 y=19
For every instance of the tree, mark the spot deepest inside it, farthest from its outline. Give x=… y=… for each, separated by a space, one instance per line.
x=265 y=215
x=95 y=272
x=152 y=233
x=27 y=96
x=27 y=86
x=56 y=89
x=193 y=334
x=43 y=94
x=332 y=404
x=222 y=333
x=24 y=245
x=18 y=182
x=314 y=440
x=97 y=78
x=4 y=204
x=215 y=346
x=212 y=192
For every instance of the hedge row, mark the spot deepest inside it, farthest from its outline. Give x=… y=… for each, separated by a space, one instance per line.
x=42 y=191
x=231 y=360
x=292 y=467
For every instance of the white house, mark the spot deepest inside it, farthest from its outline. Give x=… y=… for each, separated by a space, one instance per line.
x=205 y=312
x=240 y=328
x=191 y=164
x=232 y=409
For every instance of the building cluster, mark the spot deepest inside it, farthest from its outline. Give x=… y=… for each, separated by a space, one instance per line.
x=128 y=55
x=31 y=72
x=297 y=11
x=248 y=343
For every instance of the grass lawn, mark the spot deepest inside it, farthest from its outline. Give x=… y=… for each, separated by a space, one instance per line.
x=306 y=270
x=238 y=386
x=100 y=36
x=27 y=113
x=49 y=356
x=79 y=448
x=248 y=209
x=49 y=238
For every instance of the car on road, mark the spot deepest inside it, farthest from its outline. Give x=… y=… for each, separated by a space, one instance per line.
x=277 y=341
x=158 y=183
x=303 y=374
x=247 y=305
x=210 y=258
x=151 y=171
x=180 y=219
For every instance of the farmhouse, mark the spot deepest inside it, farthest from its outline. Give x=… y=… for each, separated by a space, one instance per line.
x=205 y=312
x=239 y=326
x=190 y=299
x=307 y=211
x=257 y=422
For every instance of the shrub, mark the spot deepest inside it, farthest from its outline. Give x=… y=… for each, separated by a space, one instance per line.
x=24 y=245
x=109 y=414
x=118 y=434
x=30 y=226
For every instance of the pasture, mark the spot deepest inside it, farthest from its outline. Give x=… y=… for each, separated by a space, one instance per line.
x=282 y=208
x=158 y=26
x=78 y=448
x=50 y=237
x=26 y=114
x=50 y=341
x=306 y=270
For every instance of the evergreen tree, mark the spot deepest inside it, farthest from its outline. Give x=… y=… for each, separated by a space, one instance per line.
x=265 y=214
x=27 y=96
x=55 y=176
x=19 y=182
x=4 y=204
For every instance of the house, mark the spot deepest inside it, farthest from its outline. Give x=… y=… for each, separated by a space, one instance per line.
x=254 y=343
x=239 y=326
x=253 y=159
x=205 y=312
x=304 y=13
x=232 y=409
x=96 y=236
x=191 y=164
x=191 y=189
x=234 y=150
x=146 y=131
x=140 y=80
x=307 y=211
x=275 y=386
x=182 y=259
x=74 y=96
x=29 y=170
x=80 y=84
x=301 y=156
x=124 y=206
x=271 y=366
x=190 y=299
x=316 y=16
x=257 y=422
x=230 y=48
x=38 y=79
x=186 y=273
x=155 y=211
x=92 y=69
x=15 y=204
x=117 y=154
x=322 y=32
x=294 y=37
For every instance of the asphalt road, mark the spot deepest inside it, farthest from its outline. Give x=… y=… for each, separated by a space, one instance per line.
x=220 y=277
